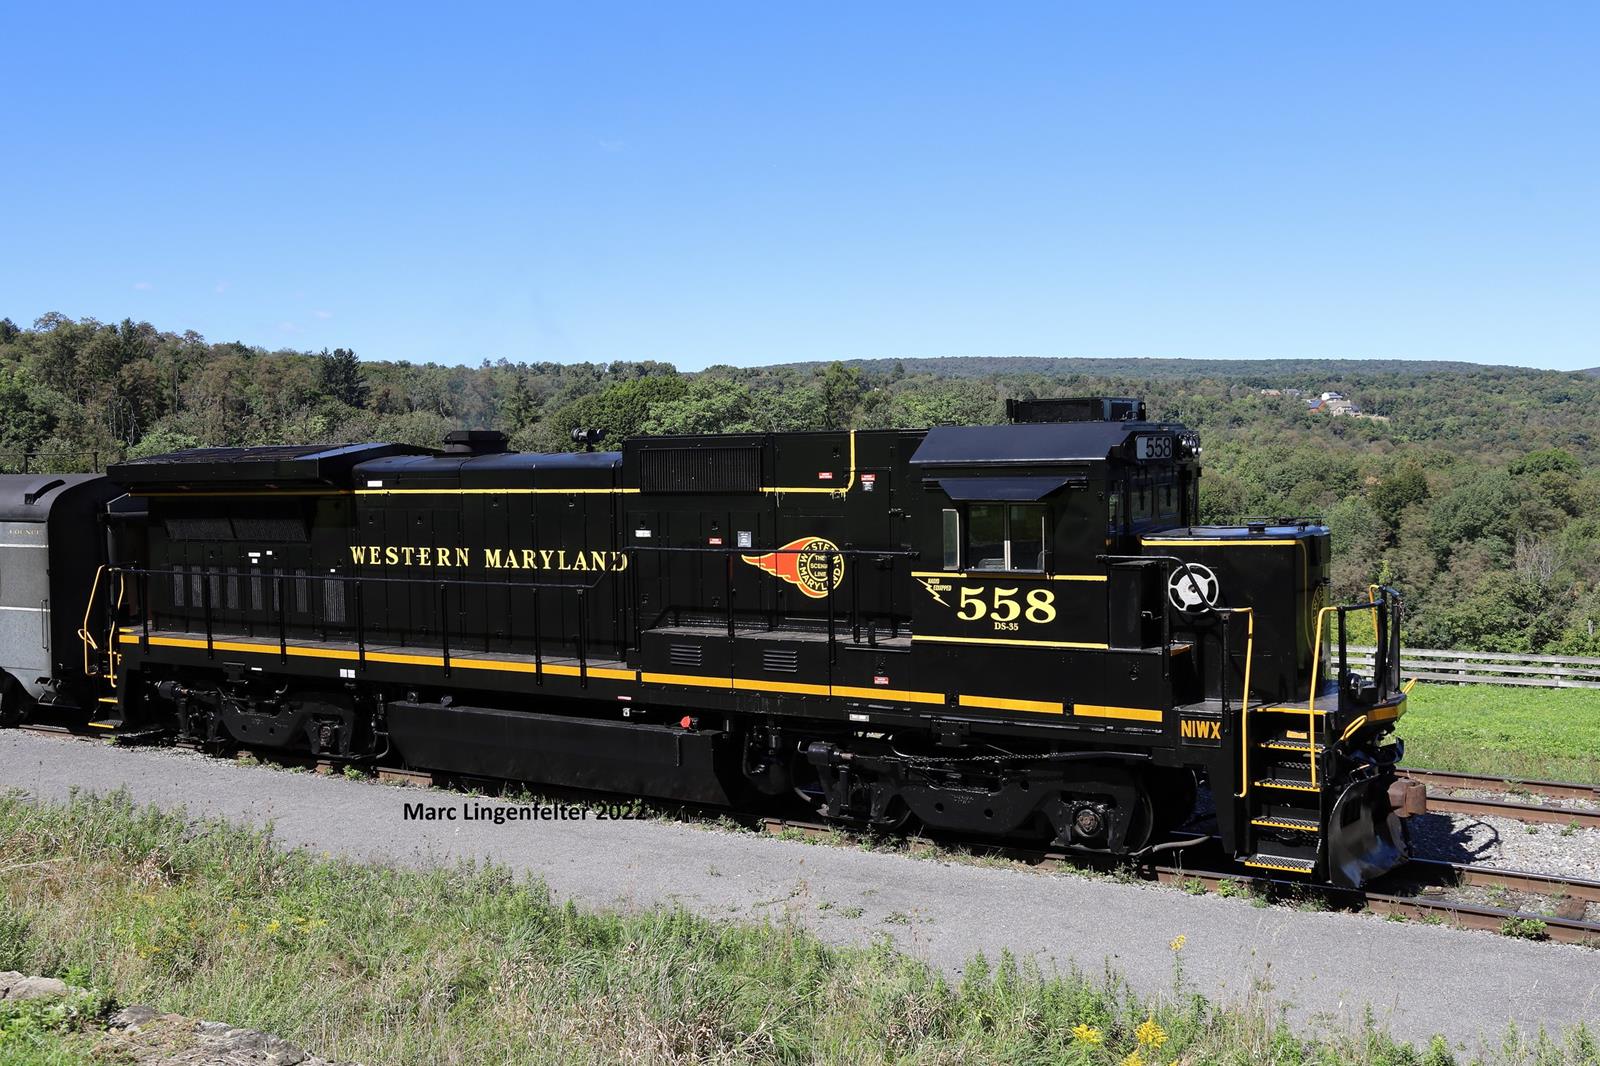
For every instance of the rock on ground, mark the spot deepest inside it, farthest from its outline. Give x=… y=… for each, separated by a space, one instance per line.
x=151 y=1038
x=14 y=985
x=148 y=1037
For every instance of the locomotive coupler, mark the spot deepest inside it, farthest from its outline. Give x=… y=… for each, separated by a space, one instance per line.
x=1408 y=796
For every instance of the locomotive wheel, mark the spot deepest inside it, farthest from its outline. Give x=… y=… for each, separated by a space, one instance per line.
x=1173 y=794
x=14 y=702
x=1143 y=826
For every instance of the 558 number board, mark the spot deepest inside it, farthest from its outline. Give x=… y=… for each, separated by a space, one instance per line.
x=1153 y=446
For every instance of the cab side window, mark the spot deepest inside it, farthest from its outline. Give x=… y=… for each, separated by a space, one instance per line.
x=952 y=539
x=986 y=536
x=1025 y=530
x=1003 y=537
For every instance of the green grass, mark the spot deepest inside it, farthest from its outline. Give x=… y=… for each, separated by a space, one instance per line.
x=470 y=965
x=1517 y=732
x=50 y=1032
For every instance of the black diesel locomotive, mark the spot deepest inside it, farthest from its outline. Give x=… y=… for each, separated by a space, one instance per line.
x=1015 y=630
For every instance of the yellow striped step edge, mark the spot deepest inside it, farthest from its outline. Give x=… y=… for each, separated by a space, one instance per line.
x=1285 y=863
x=1288 y=786
x=1302 y=825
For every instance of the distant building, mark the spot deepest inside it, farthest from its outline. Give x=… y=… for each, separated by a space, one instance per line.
x=1334 y=405
x=1270 y=392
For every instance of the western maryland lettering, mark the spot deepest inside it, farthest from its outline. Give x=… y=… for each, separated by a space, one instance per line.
x=442 y=555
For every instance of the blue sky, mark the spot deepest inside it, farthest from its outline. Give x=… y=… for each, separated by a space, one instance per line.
x=753 y=183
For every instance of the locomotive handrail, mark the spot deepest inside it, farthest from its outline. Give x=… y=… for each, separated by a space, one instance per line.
x=1244 y=708
x=1385 y=603
x=357 y=583
x=833 y=555
x=198 y=572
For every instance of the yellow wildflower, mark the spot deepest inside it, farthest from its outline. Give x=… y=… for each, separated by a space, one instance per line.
x=1151 y=1033
x=273 y=926
x=1178 y=942
x=1133 y=1059
x=1087 y=1034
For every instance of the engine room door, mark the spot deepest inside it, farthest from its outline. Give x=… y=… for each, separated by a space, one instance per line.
x=754 y=600
x=642 y=532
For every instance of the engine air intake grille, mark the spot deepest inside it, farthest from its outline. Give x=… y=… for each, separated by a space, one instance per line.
x=783 y=660
x=726 y=469
x=685 y=654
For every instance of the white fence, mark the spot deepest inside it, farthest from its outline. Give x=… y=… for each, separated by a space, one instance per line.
x=1489 y=667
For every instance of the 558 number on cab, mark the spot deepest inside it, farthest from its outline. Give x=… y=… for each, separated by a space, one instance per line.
x=1003 y=608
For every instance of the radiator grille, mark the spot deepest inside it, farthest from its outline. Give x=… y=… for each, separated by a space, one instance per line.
x=685 y=654
x=782 y=660
x=706 y=470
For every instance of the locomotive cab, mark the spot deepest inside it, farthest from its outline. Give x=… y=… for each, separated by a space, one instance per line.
x=1070 y=550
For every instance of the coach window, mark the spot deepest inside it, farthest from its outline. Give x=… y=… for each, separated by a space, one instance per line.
x=952 y=539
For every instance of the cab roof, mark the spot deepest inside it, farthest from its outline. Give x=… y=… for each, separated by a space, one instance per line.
x=1029 y=443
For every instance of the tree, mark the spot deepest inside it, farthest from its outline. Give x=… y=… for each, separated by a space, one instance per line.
x=520 y=409
x=841 y=395
x=620 y=409
x=341 y=378
x=1480 y=507
x=1405 y=486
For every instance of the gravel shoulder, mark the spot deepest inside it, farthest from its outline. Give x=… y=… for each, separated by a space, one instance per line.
x=1325 y=969
x=1508 y=844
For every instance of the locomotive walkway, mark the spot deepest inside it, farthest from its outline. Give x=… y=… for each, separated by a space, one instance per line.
x=1324 y=968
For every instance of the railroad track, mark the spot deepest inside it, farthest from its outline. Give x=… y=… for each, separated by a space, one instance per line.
x=1564 y=922
x=1439 y=781
x=1428 y=880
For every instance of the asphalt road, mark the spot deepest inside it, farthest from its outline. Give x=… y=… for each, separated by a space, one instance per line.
x=1325 y=969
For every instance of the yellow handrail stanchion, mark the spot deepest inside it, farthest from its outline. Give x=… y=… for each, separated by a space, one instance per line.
x=1311 y=697
x=1244 y=711
x=112 y=654
x=83 y=630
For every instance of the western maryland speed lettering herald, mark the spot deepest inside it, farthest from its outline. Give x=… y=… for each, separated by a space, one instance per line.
x=559 y=559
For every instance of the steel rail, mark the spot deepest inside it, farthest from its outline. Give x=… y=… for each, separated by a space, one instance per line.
x=1462 y=915
x=1490 y=783
x=1560 y=928
x=1580 y=817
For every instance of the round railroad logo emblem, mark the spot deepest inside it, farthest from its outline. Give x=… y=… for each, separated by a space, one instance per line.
x=1193 y=587
x=804 y=563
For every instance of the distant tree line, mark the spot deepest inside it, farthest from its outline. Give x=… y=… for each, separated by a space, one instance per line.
x=1479 y=497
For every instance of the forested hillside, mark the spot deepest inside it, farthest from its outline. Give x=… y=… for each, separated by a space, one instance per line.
x=1476 y=490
